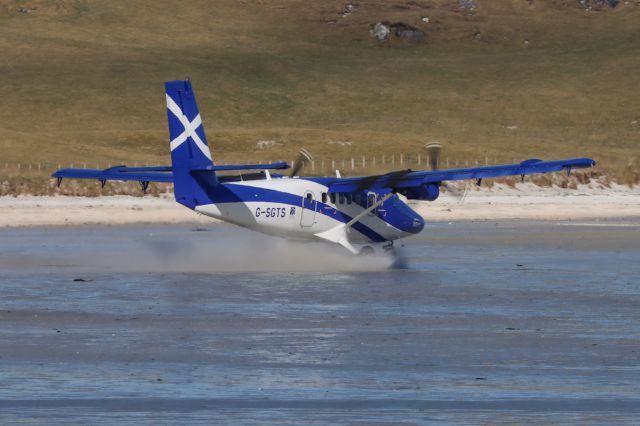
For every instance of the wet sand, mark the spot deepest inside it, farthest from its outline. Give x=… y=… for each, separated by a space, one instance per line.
x=496 y=322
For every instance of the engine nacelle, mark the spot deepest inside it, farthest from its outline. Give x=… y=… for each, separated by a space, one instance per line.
x=428 y=192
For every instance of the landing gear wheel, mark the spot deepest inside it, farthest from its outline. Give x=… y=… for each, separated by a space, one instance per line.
x=366 y=251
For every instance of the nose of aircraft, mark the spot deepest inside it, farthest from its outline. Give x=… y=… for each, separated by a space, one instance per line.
x=408 y=221
x=417 y=222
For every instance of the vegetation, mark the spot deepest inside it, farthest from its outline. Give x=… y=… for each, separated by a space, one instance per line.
x=82 y=81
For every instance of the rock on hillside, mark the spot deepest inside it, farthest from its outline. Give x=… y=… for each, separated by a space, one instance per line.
x=42 y=7
x=434 y=21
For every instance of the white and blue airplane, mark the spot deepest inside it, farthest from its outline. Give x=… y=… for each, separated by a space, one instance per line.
x=362 y=214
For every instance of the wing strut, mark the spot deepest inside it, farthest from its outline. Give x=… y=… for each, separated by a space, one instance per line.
x=339 y=234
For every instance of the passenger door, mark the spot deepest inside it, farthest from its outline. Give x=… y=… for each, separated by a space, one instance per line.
x=309 y=206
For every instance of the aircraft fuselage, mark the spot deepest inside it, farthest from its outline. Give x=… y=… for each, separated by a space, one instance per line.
x=300 y=208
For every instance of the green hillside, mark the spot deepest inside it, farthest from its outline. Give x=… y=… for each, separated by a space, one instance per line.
x=82 y=81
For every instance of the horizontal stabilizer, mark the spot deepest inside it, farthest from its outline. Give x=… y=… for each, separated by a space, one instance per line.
x=141 y=174
x=153 y=173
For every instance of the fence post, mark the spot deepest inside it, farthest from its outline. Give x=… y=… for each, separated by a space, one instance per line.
x=322 y=166
x=353 y=164
x=374 y=161
x=313 y=166
x=401 y=159
x=393 y=159
x=333 y=165
x=382 y=159
x=418 y=159
x=364 y=162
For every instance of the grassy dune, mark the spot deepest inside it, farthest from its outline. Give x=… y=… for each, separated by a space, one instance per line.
x=81 y=81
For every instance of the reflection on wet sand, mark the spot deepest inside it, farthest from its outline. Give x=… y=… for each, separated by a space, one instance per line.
x=526 y=321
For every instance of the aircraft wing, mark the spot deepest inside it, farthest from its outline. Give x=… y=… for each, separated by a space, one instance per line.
x=408 y=179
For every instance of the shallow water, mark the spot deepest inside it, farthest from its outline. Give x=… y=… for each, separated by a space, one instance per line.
x=501 y=323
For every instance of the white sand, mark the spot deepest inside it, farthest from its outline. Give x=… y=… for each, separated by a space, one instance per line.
x=527 y=201
x=119 y=210
x=500 y=202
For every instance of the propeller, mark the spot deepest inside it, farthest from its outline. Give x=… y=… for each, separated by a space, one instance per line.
x=304 y=158
x=433 y=155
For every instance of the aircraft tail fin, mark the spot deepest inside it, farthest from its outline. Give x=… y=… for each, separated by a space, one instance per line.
x=192 y=164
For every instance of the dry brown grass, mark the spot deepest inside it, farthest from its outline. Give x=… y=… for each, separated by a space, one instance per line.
x=82 y=81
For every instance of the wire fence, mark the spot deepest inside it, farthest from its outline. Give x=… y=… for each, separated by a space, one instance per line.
x=329 y=165
x=350 y=165
x=34 y=178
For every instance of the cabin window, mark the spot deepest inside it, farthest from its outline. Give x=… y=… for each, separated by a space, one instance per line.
x=349 y=199
x=309 y=197
x=333 y=197
x=324 y=197
x=341 y=198
x=357 y=198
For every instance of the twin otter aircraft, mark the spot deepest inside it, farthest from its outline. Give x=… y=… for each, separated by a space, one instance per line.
x=363 y=214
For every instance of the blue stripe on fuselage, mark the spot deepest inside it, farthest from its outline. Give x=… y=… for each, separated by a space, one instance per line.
x=244 y=193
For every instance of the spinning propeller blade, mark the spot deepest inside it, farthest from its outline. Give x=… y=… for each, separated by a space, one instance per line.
x=433 y=152
x=304 y=158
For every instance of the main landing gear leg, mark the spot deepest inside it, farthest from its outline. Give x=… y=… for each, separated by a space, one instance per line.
x=388 y=248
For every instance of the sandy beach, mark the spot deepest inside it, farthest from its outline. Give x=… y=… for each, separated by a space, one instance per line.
x=500 y=202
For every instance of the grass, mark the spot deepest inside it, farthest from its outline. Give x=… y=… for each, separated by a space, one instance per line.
x=82 y=81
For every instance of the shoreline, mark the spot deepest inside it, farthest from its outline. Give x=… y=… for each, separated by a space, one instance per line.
x=500 y=202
